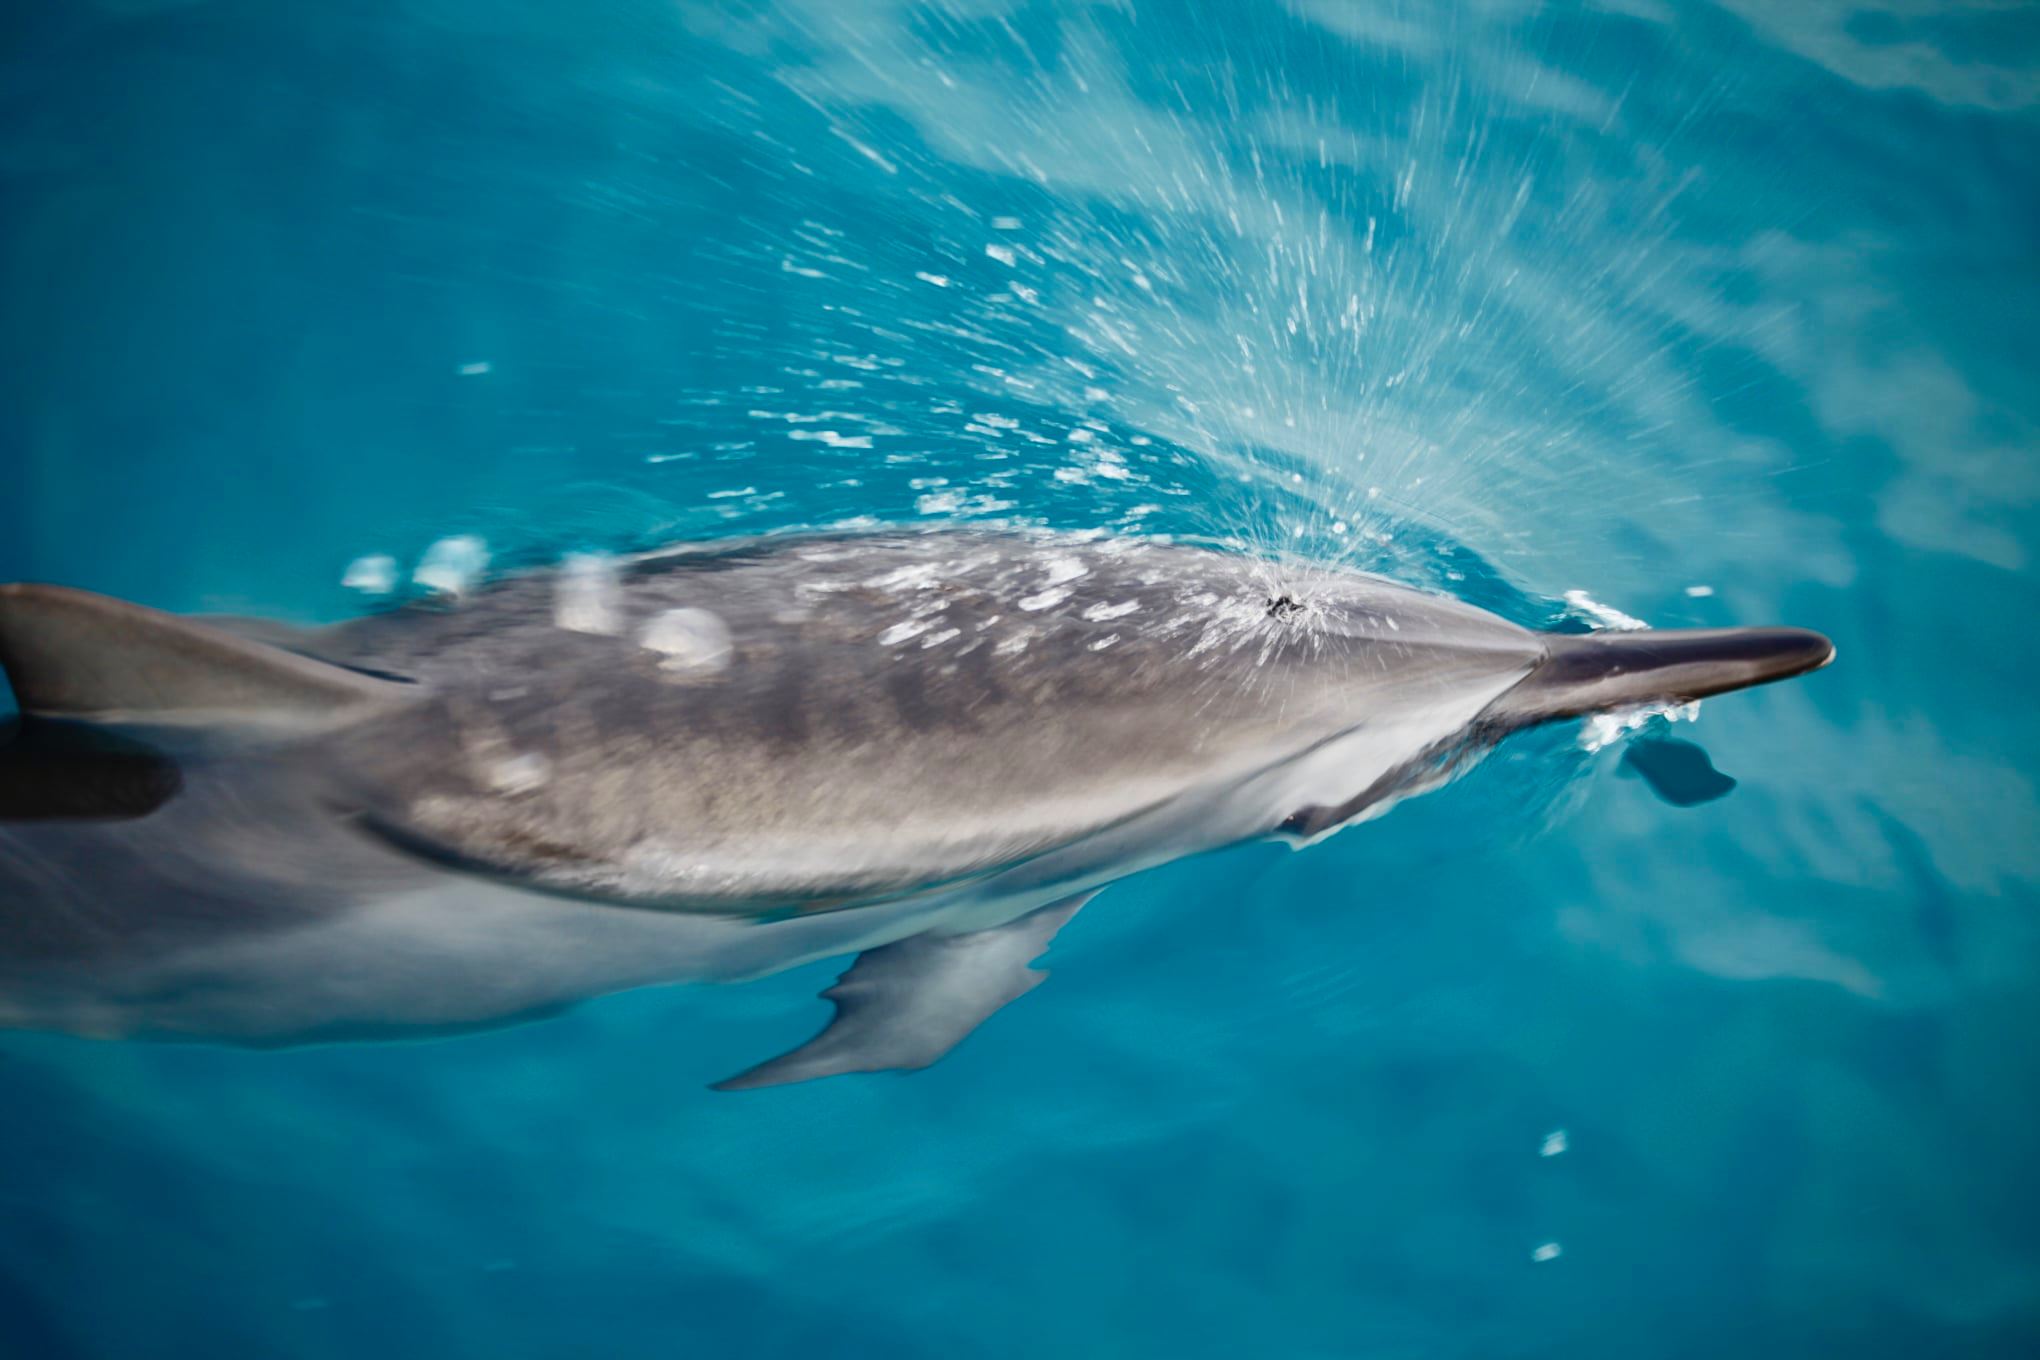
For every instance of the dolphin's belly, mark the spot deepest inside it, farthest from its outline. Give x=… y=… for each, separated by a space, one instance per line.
x=1366 y=769
x=450 y=954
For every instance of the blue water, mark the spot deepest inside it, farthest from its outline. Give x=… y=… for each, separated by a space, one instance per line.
x=1720 y=313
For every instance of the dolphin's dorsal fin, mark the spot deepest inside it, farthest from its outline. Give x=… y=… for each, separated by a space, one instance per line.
x=903 y=1005
x=72 y=654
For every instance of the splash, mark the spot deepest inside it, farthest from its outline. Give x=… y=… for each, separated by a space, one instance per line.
x=1230 y=298
x=1602 y=730
x=1602 y=615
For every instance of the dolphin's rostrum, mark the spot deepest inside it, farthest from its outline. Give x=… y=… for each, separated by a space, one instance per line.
x=928 y=749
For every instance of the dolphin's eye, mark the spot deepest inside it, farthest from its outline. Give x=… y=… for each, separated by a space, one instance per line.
x=1283 y=606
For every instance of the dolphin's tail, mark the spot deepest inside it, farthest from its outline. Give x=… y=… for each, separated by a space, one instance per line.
x=1596 y=672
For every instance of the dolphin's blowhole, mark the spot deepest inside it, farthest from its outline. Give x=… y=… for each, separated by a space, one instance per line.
x=1284 y=606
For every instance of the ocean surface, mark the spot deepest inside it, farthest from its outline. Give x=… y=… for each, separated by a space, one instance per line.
x=1698 y=313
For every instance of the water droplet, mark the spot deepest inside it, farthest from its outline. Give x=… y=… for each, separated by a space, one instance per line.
x=453 y=566
x=694 y=642
x=372 y=575
x=520 y=774
x=587 y=594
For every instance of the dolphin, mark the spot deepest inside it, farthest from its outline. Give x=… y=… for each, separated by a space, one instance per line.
x=711 y=763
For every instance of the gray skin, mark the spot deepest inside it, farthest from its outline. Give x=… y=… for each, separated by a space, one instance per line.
x=716 y=763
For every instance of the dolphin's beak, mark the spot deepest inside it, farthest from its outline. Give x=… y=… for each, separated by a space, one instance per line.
x=1596 y=672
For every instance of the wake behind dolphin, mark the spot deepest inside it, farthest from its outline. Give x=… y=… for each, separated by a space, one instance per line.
x=929 y=749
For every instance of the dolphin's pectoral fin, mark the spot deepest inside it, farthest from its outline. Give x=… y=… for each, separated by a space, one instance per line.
x=904 y=1005
x=71 y=654
x=1677 y=771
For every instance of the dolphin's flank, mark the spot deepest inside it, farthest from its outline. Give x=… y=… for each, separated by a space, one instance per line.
x=716 y=762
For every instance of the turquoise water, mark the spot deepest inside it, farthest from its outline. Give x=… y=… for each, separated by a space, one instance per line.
x=1716 y=313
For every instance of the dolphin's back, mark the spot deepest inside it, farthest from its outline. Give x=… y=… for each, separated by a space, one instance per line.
x=868 y=716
